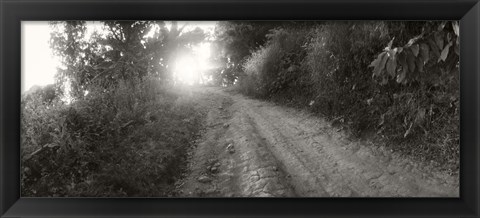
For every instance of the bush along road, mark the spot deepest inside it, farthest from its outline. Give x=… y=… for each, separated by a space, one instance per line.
x=252 y=148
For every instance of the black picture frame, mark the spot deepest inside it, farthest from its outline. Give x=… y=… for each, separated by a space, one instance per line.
x=12 y=12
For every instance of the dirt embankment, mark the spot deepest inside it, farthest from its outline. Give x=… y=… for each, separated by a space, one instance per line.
x=252 y=148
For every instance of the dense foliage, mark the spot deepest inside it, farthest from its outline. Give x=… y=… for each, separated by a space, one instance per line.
x=398 y=81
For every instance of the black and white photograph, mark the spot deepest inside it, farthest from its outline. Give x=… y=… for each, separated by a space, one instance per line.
x=240 y=109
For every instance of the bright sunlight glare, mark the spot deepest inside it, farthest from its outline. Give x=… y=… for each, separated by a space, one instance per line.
x=189 y=68
x=39 y=65
x=186 y=70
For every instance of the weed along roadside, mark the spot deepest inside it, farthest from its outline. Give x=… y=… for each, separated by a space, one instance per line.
x=127 y=148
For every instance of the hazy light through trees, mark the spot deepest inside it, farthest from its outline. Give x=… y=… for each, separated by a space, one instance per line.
x=39 y=65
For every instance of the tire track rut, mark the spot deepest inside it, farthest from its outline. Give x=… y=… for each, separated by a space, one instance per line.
x=259 y=149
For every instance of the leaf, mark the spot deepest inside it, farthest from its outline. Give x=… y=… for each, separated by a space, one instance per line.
x=434 y=48
x=392 y=53
x=402 y=75
x=444 y=54
x=383 y=60
x=442 y=25
x=414 y=39
x=381 y=65
x=424 y=52
x=390 y=44
x=419 y=64
x=375 y=62
x=402 y=59
x=439 y=39
x=456 y=28
x=449 y=37
x=391 y=66
x=415 y=49
x=411 y=61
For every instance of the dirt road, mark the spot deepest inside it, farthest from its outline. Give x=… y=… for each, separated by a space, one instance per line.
x=252 y=148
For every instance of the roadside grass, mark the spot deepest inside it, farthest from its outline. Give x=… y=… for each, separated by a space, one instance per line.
x=128 y=142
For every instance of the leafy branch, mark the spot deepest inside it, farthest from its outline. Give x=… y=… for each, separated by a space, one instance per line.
x=405 y=63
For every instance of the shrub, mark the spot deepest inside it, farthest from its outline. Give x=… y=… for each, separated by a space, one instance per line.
x=338 y=55
x=275 y=68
